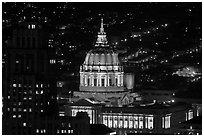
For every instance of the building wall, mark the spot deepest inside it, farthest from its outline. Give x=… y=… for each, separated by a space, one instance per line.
x=130 y=120
x=28 y=84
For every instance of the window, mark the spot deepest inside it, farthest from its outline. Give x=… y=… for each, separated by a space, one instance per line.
x=110 y=121
x=136 y=122
x=102 y=82
x=120 y=122
x=52 y=61
x=125 y=121
x=95 y=81
x=24 y=124
x=149 y=122
x=190 y=114
x=115 y=121
x=130 y=121
x=33 y=26
x=14 y=85
x=105 y=120
x=89 y=81
x=141 y=122
x=166 y=121
x=110 y=82
x=116 y=81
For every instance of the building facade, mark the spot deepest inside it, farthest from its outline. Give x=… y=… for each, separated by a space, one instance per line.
x=29 y=85
x=135 y=119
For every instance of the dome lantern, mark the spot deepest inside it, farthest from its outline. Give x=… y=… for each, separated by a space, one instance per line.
x=101 y=40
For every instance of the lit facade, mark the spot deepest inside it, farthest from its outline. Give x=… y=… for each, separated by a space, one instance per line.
x=101 y=73
x=144 y=119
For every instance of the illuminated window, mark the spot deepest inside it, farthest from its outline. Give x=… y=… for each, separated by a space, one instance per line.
x=59 y=84
x=14 y=116
x=120 y=122
x=149 y=122
x=14 y=85
x=52 y=61
x=110 y=121
x=166 y=121
x=19 y=116
x=105 y=120
x=115 y=121
x=141 y=122
x=190 y=114
x=33 y=26
x=130 y=121
x=125 y=121
x=136 y=122
x=24 y=124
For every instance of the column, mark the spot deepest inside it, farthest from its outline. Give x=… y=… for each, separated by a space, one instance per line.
x=85 y=80
x=98 y=80
x=92 y=80
x=81 y=79
x=105 y=81
x=121 y=80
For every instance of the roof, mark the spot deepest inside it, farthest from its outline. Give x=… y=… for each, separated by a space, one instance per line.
x=86 y=102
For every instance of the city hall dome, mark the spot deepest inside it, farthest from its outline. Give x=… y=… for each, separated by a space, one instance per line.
x=101 y=56
x=101 y=72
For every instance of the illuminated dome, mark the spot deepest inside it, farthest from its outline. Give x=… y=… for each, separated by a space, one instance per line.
x=101 y=56
x=101 y=72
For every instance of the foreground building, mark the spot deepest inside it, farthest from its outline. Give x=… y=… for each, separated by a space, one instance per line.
x=29 y=87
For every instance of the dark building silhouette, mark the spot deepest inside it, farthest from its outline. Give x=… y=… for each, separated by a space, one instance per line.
x=29 y=87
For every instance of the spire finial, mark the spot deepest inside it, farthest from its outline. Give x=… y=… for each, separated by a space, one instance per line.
x=101 y=29
x=102 y=40
x=101 y=22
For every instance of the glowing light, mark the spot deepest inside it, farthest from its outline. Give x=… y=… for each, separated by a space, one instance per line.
x=172 y=100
